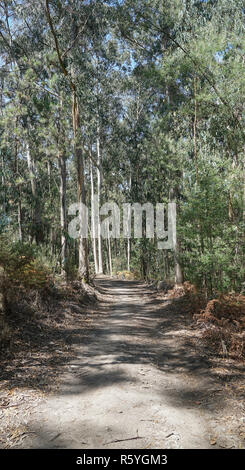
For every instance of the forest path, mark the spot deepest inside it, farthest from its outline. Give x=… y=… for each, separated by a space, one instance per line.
x=136 y=381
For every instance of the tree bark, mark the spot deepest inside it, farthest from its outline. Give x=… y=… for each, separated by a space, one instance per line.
x=244 y=189
x=63 y=222
x=195 y=128
x=16 y=172
x=179 y=278
x=109 y=251
x=36 y=218
x=20 y=217
x=96 y=267
x=100 y=260
x=129 y=223
x=83 y=245
x=83 y=267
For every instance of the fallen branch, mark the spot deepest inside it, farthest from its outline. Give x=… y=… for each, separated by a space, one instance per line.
x=10 y=406
x=123 y=440
x=55 y=437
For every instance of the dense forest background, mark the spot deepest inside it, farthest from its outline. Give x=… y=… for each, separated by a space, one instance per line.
x=133 y=101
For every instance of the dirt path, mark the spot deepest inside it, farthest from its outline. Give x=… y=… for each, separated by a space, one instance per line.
x=136 y=382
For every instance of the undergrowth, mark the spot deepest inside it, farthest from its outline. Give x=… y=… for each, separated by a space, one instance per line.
x=221 y=319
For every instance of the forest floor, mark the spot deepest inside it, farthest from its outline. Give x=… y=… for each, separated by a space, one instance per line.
x=135 y=375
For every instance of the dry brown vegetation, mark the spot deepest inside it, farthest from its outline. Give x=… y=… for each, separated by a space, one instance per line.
x=222 y=319
x=39 y=328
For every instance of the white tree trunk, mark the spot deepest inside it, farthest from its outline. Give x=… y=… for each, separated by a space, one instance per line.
x=109 y=251
x=62 y=168
x=129 y=244
x=36 y=219
x=96 y=267
x=100 y=261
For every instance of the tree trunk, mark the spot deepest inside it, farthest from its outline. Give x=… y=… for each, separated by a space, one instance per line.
x=100 y=263
x=16 y=171
x=179 y=278
x=129 y=223
x=128 y=253
x=244 y=190
x=63 y=224
x=83 y=245
x=52 y=240
x=49 y=177
x=96 y=267
x=83 y=267
x=109 y=250
x=20 y=217
x=195 y=128
x=36 y=219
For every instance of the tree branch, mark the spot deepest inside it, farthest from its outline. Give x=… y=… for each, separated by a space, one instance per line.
x=61 y=62
x=73 y=42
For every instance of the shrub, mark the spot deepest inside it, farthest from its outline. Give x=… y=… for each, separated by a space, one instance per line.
x=21 y=265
